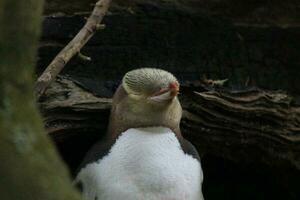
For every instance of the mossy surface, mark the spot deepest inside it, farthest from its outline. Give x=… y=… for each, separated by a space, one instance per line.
x=30 y=167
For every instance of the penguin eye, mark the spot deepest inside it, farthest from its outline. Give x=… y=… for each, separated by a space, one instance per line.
x=158 y=89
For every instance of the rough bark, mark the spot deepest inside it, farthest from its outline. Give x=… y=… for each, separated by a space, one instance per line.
x=30 y=168
x=263 y=125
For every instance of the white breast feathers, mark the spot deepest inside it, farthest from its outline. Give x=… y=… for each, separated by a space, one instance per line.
x=143 y=164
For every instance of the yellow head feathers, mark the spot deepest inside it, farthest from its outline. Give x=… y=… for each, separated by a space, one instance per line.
x=146 y=81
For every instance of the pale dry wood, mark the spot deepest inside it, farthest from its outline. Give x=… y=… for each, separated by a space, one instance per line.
x=92 y=25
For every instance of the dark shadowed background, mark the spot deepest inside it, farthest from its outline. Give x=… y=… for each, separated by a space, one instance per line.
x=251 y=43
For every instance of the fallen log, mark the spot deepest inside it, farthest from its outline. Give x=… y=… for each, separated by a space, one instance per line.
x=245 y=126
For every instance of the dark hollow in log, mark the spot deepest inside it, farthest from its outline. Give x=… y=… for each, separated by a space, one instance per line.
x=246 y=11
x=190 y=45
x=254 y=130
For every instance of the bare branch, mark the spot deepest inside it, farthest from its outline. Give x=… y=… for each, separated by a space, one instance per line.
x=92 y=25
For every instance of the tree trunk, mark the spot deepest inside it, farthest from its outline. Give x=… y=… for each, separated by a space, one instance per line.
x=30 y=168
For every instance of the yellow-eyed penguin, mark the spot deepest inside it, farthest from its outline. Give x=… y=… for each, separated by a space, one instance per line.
x=144 y=156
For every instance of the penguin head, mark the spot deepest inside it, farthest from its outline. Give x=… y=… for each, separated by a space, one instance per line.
x=147 y=97
x=151 y=84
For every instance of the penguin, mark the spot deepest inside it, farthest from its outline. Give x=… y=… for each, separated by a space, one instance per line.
x=144 y=155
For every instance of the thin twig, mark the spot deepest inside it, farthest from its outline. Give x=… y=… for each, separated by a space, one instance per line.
x=84 y=57
x=92 y=24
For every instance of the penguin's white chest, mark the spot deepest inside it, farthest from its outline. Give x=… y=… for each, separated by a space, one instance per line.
x=144 y=163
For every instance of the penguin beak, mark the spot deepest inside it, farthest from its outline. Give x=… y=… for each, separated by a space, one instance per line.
x=166 y=93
